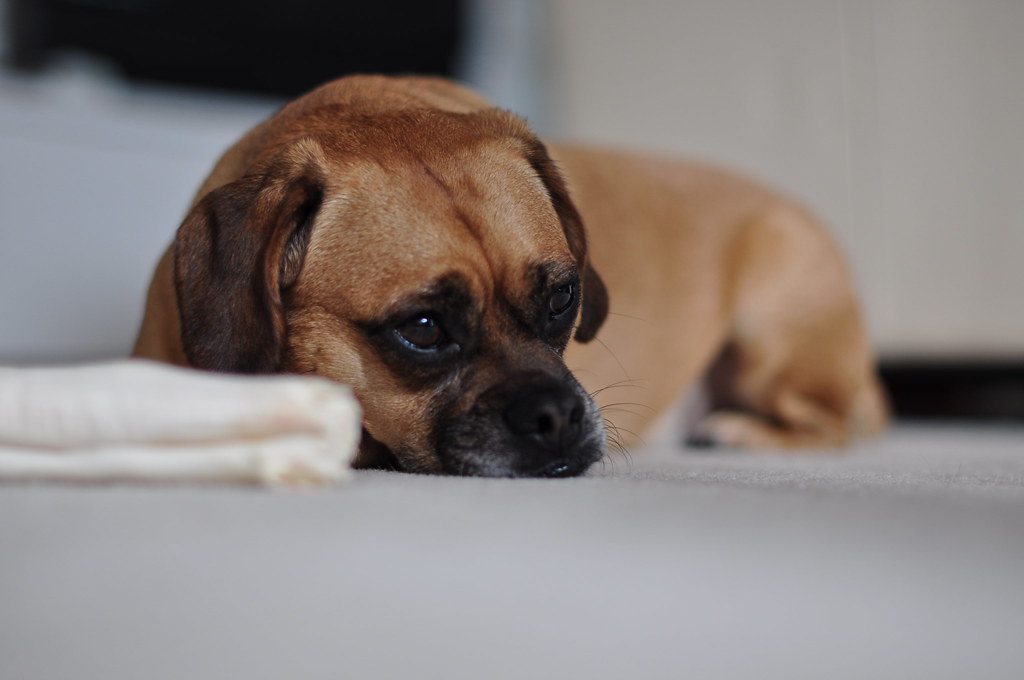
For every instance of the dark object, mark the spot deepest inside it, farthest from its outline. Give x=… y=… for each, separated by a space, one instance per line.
x=965 y=390
x=280 y=48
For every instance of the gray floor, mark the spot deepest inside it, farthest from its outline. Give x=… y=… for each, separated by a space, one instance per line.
x=900 y=559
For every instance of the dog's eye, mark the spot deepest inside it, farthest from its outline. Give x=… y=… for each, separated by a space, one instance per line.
x=421 y=332
x=561 y=299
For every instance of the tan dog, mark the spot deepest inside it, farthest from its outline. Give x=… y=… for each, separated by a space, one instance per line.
x=403 y=237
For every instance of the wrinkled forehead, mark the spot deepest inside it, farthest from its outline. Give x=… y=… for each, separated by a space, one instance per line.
x=416 y=216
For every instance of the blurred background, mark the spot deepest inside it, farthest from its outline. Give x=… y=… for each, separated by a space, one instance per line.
x=897 y=121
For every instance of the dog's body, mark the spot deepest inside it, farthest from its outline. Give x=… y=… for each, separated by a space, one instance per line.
x=403 y=237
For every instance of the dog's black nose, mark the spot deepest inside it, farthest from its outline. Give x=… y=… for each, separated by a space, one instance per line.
x=551 y=417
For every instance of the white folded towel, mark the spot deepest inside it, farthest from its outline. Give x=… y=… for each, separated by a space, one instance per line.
x=141 y=421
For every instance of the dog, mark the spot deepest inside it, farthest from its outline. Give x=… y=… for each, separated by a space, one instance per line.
x=405 y=237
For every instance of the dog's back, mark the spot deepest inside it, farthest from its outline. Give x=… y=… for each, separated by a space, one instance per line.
x=715 y=277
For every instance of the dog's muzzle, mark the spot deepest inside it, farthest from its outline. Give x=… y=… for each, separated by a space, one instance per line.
x=534 y=425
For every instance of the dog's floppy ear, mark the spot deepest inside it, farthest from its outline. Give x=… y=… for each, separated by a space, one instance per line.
x=595 y=295
x=237 y=252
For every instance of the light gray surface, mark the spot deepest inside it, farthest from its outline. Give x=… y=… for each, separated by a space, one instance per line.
x=898 y=560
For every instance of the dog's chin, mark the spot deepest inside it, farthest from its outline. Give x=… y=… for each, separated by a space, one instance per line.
x=489 y=463
x=488 y=460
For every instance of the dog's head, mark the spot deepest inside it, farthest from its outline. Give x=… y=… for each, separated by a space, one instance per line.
x=432 y=260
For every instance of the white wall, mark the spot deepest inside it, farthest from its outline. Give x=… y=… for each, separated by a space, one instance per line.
x=899 y=121
x=506 y=56
x=94 y=180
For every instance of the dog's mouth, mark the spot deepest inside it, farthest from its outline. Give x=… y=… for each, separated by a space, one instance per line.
x=491 y=463
x=573 y=468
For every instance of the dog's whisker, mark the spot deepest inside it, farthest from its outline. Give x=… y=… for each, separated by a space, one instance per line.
x=619 y=408
x=618 y=454
x=630 y=316
x=619 y=430
x=625 y=449
x=617 y=450
x=627 y=411
x=624 y=453
x=632 y=383
x=614 y=439
x=620 y=404
x=614 y=358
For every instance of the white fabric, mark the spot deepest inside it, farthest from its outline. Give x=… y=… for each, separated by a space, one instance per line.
x=142 y=421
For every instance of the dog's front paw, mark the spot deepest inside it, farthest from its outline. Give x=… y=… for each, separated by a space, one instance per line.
x=726 y=429
x=743 y=430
